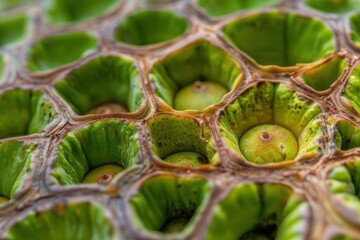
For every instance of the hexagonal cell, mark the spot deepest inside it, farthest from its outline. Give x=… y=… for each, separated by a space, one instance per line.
x=216 y=8
x=103 y=85
x=181 y=141
x=347 y=135
x=354 y=22
x=13 y=29
x=15 y=164
x=96 y=153
x=322 y=76
x=281 y=39
x=269 y=123
x=260 y=211
x=175 y=213
x=150 y=27
x=334 y=6
x=57 y=50
x=344 y=184
x=62 y=12
x=24 y=112
x=350 y=97
x=195 y=77
x=64 y=221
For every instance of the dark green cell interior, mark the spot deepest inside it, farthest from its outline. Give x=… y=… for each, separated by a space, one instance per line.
x=217 y=8
x=322 y=76
x=150 y=26
x=272 y=103
x=81 y=221
x=259 y=211
x=200 y=61
x=103 y=80
x=282 y=39
x=162 y=199
x=355 y=29
x=62 y=12
x=24 y=112
x=343 y=237
x=352 y=89
x=55 y=51
x=334 y=6
x=13 y=28
x=344 y=183
x=347 y=136
x=15 y=161
x=97 y=144
x=172 y=134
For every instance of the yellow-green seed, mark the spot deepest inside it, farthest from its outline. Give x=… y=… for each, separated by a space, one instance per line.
x=103 y=174
x=199 y=95
x=268 y=143
x=174 y=225
x=191 y=159
x=3 y=199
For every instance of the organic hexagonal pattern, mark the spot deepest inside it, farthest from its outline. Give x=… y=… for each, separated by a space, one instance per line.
x=176 y=119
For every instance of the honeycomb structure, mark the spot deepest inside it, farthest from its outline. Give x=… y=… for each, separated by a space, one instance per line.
x=96 y=141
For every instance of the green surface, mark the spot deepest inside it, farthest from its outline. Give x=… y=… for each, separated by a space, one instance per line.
x=216 y=8
x=150 y=26
x=334 y=6
x=80 y=221
x=55 y=51
x=13 y=29
x=282 y=39
x=199 y=61
x=103 y=174
x=191 y=159
x=352 y=89
x=97 y=144
x=271 y=103
x=355 y=29
x=347 y=136
x=259 y=211
x=171 y=134
x=62 y=12
x=162 y=199
x=106 y=79
x=15 y=162
x=322 y=76
x=24 y=112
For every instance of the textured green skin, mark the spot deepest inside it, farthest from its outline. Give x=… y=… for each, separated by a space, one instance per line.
x=191 y=97
x=281 y=145
x=355 y=28
x=347 y=136
x=181 y=197
x=62 y=12
x=334 y=6
x=352 y=89
x=217 y=8
x=172 y=134
x=97 y=144
x=15 y=161
x=186 y=159
x=96 y=173
x=24 y=112
x=55 y=51
x=268 y=103
x=13 y=29
x=200 y=61
x=81 y=221
x=250 y=208
x=322 y=77
x=275 y=38
x=150 y=27
x=122 y=85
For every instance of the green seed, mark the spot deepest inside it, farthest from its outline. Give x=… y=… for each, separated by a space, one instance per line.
x=199 y=95
x=3 y=199
x=103 y=174
x=191 y=159
x=174 y=225
x=268 y=144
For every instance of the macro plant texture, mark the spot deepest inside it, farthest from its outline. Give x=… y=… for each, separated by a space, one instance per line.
x=180 y=119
